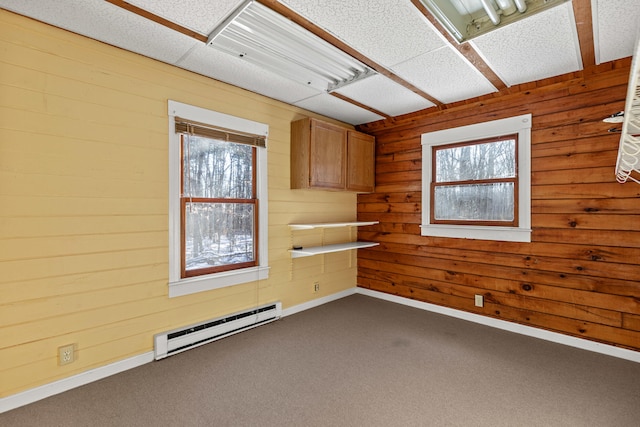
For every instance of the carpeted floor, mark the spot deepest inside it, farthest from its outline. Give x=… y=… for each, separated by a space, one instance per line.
x=359 y=361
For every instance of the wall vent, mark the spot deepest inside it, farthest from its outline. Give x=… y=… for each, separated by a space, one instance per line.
x=178 y=340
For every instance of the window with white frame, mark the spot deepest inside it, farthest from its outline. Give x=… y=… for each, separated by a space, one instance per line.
x=476 y=181
x=218 y=184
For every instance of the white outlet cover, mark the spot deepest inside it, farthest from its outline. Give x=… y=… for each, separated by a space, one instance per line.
x=479 y=301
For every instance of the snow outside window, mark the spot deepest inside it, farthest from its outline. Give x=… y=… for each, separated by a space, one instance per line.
x=218 y=197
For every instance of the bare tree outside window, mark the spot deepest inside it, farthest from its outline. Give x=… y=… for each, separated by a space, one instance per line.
x=219 y=205
x=475 y=182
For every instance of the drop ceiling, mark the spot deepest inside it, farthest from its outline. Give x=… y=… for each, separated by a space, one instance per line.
x=418 y=64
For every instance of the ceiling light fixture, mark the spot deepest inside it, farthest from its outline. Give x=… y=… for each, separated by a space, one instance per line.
x=466 y=19
x=265 y=38
x=491 y=12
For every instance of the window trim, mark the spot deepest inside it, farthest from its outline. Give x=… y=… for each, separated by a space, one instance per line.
x=520 y=125
x=184 y=286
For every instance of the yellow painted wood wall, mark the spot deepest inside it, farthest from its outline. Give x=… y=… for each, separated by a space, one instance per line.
x=84 y=204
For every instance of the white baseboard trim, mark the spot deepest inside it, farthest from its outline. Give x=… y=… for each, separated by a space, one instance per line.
x=56 y=387
x=556 y=337
x=317 y=302
x=38 y=393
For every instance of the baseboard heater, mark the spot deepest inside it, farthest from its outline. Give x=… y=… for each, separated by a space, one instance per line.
x=178 y=340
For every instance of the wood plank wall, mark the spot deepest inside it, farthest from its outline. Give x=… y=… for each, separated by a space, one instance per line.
x=579 y=276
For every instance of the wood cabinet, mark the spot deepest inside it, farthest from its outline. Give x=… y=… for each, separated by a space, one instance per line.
x=330 y=157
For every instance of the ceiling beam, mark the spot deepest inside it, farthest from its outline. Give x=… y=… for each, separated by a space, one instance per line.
x=464 y=48
x=584 y=26
x=354 y=102
x=158 y=19
x=304 y=23
x=329 y=38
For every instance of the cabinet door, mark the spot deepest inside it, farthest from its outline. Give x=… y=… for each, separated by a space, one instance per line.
x=360 y=162
x=327 y=156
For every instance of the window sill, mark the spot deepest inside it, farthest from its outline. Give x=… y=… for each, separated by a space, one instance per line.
x=210 y=282
x=506 y=234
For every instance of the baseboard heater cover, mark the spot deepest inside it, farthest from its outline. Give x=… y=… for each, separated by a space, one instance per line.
x=178 y=340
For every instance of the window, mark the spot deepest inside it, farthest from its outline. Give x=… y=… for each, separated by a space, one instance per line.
x=217 y=230
x=476 y=181
x=218 y=206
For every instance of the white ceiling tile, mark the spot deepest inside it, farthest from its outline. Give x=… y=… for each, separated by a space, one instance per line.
x=387 y=31
x=445 y=75
x=392 y=33
x=385 y=95
x=230 y=69
x=544 y=45
x=338 y=109
x=103 y=21
x=616 y=27
x=201 y=16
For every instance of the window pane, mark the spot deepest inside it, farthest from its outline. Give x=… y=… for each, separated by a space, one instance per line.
x=218 y=234
x=476 y=202
x=216 y=169
x=477 y=161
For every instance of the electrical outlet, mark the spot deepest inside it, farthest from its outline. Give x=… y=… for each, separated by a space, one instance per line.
x=66 y=354
x=316 y=287
x=479 y=301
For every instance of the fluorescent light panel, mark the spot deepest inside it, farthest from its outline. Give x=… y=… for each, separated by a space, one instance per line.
x=265 y=38
x=466 y=19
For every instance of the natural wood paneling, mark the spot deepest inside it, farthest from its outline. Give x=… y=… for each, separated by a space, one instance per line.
x=579 y=276
x=84 y=199
x=631 y=321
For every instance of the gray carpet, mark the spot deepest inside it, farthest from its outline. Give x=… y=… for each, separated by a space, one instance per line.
x=359 y=361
